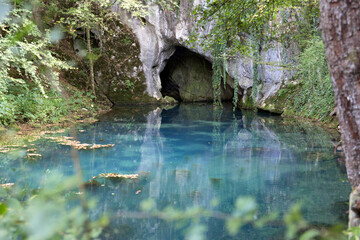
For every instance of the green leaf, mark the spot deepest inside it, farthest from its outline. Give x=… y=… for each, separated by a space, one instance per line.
x=233 y=225
x=310 y=234
x=148 y=205
x=3 y=209
x=264 y=220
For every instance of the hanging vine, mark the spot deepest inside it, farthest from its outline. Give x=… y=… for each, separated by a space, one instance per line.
x=256 y=48
x=236 y=87
x=219 y=70
x=224 y=65
x=216 y=77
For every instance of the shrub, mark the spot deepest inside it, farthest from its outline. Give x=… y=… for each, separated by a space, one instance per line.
x=314 y=98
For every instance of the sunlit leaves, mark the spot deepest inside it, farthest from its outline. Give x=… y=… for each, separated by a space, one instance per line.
x=3 y=208
x=26 y=62
x=294 y=221
x=315 y=99
x=25 y=55
x=264 y=19
x=197 y=231
x=48 y=214
x=310 y=234
x=245 y=209
x=135 y=7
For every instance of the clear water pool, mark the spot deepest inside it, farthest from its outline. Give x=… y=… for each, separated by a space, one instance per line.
x=193 y=155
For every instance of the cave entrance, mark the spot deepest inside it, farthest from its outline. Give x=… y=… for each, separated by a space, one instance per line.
x=187 y=77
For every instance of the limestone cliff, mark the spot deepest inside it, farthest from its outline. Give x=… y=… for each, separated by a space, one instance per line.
x=162 y=32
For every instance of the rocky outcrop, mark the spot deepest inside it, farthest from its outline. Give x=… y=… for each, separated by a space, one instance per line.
x=119 y=75
x=162 y=32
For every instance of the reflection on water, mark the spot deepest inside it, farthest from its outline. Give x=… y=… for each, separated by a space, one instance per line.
x=192 y=155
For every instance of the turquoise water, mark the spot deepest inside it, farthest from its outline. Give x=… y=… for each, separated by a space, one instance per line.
x=191 y=156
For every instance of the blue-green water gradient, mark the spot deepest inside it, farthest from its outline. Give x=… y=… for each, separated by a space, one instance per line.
x=192 y=155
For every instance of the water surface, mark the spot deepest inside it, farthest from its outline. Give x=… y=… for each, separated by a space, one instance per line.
x=192 y=155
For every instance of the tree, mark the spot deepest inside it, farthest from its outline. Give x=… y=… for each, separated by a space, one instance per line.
x=91 y=15
x=83 y=16
x=340 y=23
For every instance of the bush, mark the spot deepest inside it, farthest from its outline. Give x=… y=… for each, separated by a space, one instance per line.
x=314 y=98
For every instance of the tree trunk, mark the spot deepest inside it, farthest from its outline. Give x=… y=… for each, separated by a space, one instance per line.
x=340 y=24
x=91 y=64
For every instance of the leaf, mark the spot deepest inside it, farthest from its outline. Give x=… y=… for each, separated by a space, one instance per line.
x=14 y=204
x=244 y=206
x=148 y=204
x=196 y=232
x=3 y=209
x=264 y=220
x=310 y=234
x=233 y=225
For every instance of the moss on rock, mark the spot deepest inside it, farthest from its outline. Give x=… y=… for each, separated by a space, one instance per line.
x=119 y=70
x=247 y=101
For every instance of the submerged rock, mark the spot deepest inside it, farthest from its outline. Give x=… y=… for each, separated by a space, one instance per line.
x=4 y=150
x=169 y=100
x=69 y=141
x=117 y=177
x=7 y=185
x=8 y=148
x=195 y=194
x=96 y=146
x=114 y=175
x=33 y=156
x=53 y=132
x=183 y=172
x=31 y=150
x=91 y=184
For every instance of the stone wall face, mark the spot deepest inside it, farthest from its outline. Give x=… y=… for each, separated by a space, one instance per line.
x=163 y=31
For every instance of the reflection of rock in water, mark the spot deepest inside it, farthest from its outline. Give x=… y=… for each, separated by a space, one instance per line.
x=151 y=151
x=182 y=176
x=254 y=155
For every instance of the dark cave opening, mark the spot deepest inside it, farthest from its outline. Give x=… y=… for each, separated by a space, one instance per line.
x=187 y=77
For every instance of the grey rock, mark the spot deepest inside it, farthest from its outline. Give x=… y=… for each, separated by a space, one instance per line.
x=164 y=31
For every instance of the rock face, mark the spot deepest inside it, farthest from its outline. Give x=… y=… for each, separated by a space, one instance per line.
x=119 y=74
x=162 y=32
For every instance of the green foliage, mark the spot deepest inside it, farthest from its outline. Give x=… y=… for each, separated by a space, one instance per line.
x=353 y=233
x=49 y=213
x=316 y=98
x=29 y=106
x=299 y=228
x=313 y=97
x=245 y=209
x=24 y=55
x=135 y=7
x=86 y=14
x=129 y=84
x=245 y=213
x=217 y=67
x=256 y=46
x=236 y=87
x=280 y=20
x=28 y=70
x=248 y=27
